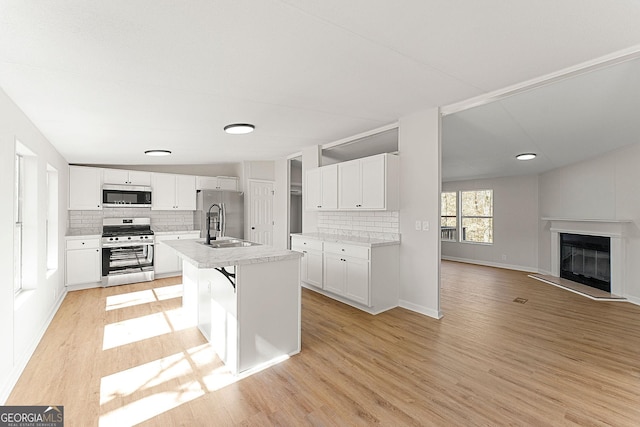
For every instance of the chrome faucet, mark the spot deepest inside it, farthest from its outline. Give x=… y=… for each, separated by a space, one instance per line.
x=220 y=226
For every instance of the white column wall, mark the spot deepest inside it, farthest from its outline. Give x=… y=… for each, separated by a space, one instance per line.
x=419 y=147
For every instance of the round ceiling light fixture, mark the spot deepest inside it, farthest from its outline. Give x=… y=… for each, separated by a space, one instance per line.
x=239 y=128
x=157 y=152
x=526 y=156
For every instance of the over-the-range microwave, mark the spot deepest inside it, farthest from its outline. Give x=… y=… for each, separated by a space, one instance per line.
x=126 y=196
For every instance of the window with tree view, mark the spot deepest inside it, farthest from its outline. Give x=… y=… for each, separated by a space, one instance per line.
x=476 y=216
x=449 y=216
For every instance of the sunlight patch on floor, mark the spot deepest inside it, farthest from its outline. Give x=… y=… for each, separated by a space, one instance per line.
x=141 y=328
x=130 y=299
x=168 y=292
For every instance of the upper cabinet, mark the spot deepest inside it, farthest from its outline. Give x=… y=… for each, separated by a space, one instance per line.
x=370 y=183
x=321 y=188
x=85 y=188
x=126 y=177
x=217 y=183
x=173 y=192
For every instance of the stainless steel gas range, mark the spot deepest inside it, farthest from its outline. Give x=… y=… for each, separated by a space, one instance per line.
x=127 y=251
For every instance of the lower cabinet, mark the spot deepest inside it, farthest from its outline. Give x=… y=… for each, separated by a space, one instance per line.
x=311 y=262
x=165 y=261
x=346 y=271
x=83 y=262
x=366 y=277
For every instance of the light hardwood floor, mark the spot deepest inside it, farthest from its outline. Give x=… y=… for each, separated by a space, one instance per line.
x=123 y=356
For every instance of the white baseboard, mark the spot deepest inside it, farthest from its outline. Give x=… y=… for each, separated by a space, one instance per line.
x=633 y=300
x=70 y=288
x=22 y=361
x=491 y=264
x=436 y=314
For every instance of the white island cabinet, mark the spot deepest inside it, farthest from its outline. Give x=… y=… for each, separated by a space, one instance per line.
x=244 y=300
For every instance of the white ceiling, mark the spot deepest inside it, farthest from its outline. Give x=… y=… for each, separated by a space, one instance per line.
x=568 y=121
x=106 y=80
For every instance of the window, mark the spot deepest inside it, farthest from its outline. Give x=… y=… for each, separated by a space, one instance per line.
x=19 y=224
x=51 y=226
x=476 y=216
x=449 y=216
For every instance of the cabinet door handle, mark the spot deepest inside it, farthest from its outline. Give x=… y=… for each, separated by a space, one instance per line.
x=253 y=228
x=319 y=206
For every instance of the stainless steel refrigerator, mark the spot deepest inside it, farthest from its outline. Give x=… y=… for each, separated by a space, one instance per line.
x=233 y=202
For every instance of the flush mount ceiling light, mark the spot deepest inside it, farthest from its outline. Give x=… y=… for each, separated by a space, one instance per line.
x=157 y=152
x=239 y=128
x=526 y=156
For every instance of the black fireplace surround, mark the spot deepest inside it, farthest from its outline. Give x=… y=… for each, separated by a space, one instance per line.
x=586 y=259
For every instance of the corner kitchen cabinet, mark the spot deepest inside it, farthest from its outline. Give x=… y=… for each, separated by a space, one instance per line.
x=165 y=260
x=311 y=263
x=173 y=192
x=126 y=177
x=321 y=188
x=83 y=260
x=85 y=188
x=217 y=183
x=369 y=183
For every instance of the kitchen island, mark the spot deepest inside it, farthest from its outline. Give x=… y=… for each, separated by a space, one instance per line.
x=244 y=300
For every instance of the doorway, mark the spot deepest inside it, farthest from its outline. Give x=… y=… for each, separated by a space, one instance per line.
x=295 y=196
x=261 y=211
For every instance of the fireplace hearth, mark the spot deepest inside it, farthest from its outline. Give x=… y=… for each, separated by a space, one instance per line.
x=586 y=259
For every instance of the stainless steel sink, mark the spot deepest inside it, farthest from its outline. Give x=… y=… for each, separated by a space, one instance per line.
x=230 y=243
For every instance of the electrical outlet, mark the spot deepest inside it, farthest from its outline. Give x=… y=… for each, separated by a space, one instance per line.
x=425 y=225
x=418 y=225
x=504 y=257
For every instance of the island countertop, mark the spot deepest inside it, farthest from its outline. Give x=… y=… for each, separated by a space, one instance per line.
x=201 y=256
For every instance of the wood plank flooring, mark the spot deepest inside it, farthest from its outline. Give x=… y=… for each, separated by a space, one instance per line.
x=123 y=356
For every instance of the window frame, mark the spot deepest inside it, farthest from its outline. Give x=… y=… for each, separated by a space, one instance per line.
x=462 y=217
x=456 y=217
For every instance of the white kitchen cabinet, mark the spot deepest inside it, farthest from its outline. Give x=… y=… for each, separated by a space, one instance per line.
x=321 y=188
x=166 y=261
x=173 y=192
x=126 y=177
x=311 y=263
x=217 y=183
x=85 y=188
x=346 y=271
x=369 y=183
x=363 y=275
x=83 y=260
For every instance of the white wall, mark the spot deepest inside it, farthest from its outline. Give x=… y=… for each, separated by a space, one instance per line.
x=22 y=325
x=515 y=222
x=602 y=188
x=419 y=147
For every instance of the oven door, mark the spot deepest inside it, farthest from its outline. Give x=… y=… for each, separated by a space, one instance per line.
x=127 y=263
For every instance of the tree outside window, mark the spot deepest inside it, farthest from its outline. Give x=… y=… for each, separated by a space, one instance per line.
x=477 y=216
x=449 y=216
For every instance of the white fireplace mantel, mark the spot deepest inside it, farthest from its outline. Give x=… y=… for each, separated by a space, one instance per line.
x=614 y=229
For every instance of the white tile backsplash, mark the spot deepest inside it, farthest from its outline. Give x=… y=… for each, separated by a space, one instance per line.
x=383 y=225
x=90 y=222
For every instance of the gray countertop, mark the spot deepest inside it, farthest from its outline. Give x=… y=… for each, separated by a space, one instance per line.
x=353 y=240
x=203 y=256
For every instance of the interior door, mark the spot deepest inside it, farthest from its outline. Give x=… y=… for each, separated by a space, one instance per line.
x=261 y=212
